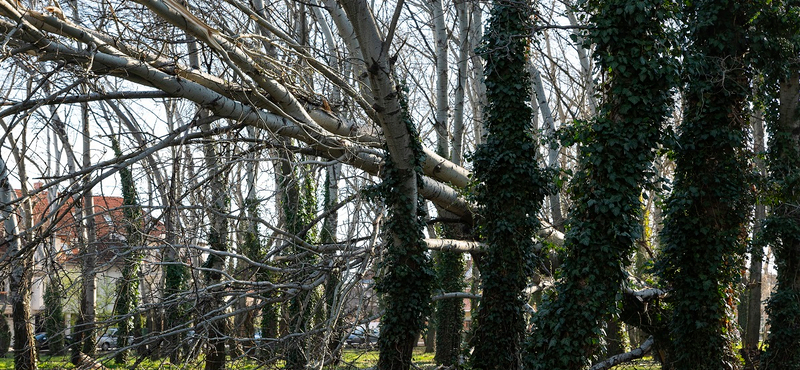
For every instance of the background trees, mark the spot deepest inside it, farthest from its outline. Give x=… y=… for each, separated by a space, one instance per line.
x=226 y=117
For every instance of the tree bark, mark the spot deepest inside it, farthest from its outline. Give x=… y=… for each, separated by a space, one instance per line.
x=85 y=329
x=21 y=261
x=399 y=329
x=218 y=197
x=784 y=305
x=752 y=327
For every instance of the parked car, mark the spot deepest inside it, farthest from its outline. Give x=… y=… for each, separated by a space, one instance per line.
x=361 y=336
x=108 y=340
x=43 y=344
x=41 y=341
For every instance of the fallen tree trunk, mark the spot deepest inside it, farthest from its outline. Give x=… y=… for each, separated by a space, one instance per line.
x=624 y=357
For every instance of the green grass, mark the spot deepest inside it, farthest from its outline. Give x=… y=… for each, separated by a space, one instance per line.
x=362 y=359
x=352 y=359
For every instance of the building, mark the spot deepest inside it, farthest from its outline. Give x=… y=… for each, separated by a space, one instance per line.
x=55 y=219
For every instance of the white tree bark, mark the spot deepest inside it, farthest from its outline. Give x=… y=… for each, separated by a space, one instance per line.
x=624 y=357
x=586 y=65
x=464 y=46
x=552 y=147
x=440 y=56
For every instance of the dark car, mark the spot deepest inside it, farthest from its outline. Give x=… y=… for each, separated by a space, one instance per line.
x=361 y=336
x=43 y=344
x=41 y=341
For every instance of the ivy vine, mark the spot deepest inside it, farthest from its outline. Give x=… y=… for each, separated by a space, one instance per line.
x=128 y=287
x=706 y=215
x=509 y=188
x=616 y=153
x=300 y=207
x=776 y=45
x=407 y=275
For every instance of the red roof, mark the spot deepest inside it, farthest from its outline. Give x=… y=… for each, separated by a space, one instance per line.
x=109 y=218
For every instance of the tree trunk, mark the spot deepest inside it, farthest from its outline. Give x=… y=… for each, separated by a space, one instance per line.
x=430 y=339
x=552 y=150
x=752 y=326
x=615 y=337
x=510 y=188
x=783 y=342
x=407 y=282
x=218 y=197
x=440 y=57
x=20 y=277
x=616 y=151
x=128 y=288
x=328 y=235
x=85 y=328
x=706 y=215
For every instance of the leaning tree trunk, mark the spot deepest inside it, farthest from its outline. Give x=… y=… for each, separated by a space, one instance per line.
x=406 y=284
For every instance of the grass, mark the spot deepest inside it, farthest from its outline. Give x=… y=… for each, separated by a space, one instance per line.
x=362 y=359
x=352 y=359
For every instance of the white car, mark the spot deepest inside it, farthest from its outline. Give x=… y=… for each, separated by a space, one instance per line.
x=108 y=340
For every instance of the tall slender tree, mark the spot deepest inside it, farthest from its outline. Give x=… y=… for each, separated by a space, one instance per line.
x=776 y=56
x=406 y=284
x=128 y=285
x=21 y=260
x=510 y=187
x=217 y=328
x=85 y=328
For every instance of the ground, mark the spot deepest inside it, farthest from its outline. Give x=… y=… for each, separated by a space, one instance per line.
x=353 y=359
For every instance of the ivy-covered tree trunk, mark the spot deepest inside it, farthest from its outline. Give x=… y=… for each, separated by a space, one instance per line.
x=707 y=213
x=54 y=325
x=217 y=328
x=510 y=188
x=405 y=285
x=449 y=312
x=616 y=152
x=128 y=285
x=299 y=209
x=783 y=229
